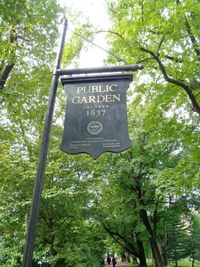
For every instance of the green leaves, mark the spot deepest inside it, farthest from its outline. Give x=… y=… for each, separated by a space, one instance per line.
x=29 y=32
x=165 y=39
x=75 y=44
x=127 y=196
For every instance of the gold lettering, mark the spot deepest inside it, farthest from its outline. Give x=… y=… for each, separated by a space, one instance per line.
x=96 y=88
x=101 y=90
x=116 y=97
x=83 y=100
x=91 y=99
x=79 y=89
x=96 y=99
x=100 y=98
x=109 y=98
x=112 y=87
x=75 y=100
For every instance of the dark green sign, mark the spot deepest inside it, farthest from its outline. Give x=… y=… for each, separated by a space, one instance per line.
x=96 y=114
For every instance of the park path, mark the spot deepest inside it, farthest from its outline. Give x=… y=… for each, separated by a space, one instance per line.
x=121 y=264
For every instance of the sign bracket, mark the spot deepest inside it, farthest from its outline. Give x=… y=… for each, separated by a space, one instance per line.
x=112 y=69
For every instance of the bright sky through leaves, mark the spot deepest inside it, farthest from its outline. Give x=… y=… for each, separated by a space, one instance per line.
x=96 y=12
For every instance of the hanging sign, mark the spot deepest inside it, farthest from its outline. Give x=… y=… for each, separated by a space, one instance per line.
x=96 y=114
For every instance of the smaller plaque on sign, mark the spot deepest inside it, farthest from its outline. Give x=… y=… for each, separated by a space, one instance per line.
x=96 y=114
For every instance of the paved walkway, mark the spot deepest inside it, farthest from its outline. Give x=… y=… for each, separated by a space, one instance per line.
x=121 y=264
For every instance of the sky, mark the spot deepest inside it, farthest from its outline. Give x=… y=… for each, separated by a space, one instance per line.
x=96 y=11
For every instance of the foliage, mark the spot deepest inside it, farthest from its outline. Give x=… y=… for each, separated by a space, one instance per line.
x=24 y=25
x=194 y=239
x=177 y=240
x=24 y=101
x=165 y=38
x=131 y=196
x=76 y=43
x=144 y=178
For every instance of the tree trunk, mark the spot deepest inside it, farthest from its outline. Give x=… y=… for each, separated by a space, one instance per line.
x=52 y=254
x=193 y=262
x=134 y=260
x=154 y=246
x=128 y=259
x=141 y=256
x=164 y=256
x=145 y=220
x=156 y=254
x=5 y=75
x=164 y=247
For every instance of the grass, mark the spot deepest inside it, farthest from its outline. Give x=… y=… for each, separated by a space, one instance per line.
x=185 y=263
x=181 y=263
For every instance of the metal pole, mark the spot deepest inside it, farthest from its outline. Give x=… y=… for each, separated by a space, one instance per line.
x=34 y=212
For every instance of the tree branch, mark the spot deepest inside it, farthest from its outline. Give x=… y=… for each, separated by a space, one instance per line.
x=11 y=54
x=187 y=88
x=160 y=44
x=6 y=72
x=143 y=60
x=112 y=32
x=192 y=37
x=126 y=244
x=197 y=94
x=178 y=60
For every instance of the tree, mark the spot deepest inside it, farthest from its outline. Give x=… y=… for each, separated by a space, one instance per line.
x=194 y=240
x=177 y=230
x=133 y=174
x=24 y=25
x=165 y=38
x=119 y=222
x=162 y=162
x=24 y=101
x=142 y=179
x=67 y=232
